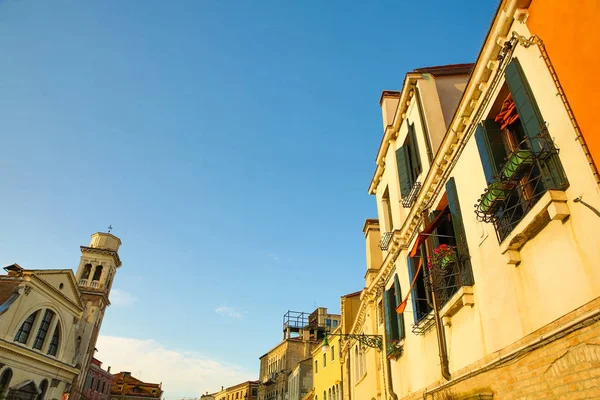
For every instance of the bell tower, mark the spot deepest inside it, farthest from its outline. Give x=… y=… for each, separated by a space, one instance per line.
x=95 y=275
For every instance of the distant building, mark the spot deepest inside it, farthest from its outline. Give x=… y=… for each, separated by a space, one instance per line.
x=300 y=380
x=49 y=322
x=302 y=332
x=243 y=391
x=98 y=383
x=126 y=387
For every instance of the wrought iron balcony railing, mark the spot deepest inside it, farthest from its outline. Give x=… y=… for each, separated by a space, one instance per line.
x=446 y=270
x=386 y=238
x=409 y=200
x=529 y=172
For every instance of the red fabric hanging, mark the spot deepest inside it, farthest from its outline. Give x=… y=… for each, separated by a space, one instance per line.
x=508 y=114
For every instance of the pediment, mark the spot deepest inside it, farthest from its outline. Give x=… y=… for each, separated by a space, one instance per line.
x=62 y=282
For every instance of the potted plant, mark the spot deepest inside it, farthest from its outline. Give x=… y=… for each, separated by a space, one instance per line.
x=444 y=255
x=394 y=349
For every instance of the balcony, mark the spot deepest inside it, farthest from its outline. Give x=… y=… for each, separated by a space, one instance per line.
x=83 y=282
x=409 y=200
x=386 y=238
x=96 y=285
x=447 y=273
x=530 y=171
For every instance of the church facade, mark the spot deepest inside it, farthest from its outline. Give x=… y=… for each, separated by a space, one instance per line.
x=49 y=323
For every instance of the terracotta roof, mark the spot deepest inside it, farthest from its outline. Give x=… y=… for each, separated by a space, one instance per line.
x=7 y=288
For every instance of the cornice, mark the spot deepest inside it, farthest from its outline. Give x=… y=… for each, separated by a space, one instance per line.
x=454 y=140
x=391 y=131
x=95 y=250
x=28 y=354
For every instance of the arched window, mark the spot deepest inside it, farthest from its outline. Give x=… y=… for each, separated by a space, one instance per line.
x=330 y=397
x=5 y=381
x=324 y=395
x=97 y=273
x=43 y=331
x=53 y=348
x=87 y=270
x=43 y=389
x=25 y=329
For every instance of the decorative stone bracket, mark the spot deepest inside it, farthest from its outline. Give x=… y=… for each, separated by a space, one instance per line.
x=552 y=206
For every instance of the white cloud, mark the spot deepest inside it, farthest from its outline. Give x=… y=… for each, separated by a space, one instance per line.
x=183 y=374
x=120 y=297
x=228 y=311
x=273 y=256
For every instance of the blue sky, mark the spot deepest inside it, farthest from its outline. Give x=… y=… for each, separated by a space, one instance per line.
x=229 y=143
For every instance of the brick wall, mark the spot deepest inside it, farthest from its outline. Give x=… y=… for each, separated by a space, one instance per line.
x=565 y=368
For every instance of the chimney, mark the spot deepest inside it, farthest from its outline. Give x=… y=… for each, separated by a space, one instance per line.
x=374 y=255
x=389 y=103
x=108 y=370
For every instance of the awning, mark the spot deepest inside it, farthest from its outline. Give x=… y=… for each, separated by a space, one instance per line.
x=427 y=231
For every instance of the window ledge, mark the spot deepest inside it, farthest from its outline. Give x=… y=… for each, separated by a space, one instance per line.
x=463 y=297
x=550 y=207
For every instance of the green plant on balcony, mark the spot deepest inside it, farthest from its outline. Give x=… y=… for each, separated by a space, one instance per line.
x=394 y=349
x=517 y=164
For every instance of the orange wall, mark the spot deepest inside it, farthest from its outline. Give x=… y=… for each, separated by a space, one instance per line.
x=571 y=32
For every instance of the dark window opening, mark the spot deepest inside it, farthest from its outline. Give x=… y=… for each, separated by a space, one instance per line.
x=25 y=329
x=87 y=270
x=43 y=331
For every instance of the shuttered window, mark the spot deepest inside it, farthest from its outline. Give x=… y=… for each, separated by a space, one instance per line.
x=459 y=233
x=491 y=148
x=394 y=322
x=532 y=121
x=408 y=161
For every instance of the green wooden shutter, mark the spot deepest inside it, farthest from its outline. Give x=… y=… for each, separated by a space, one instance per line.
x=414 y=152
x=491 y=149
x=404 y=176
x=388 y=320
x=399 y=317
x=529 y=113
x=533 y=122
x=459 y=232
x=413 y=294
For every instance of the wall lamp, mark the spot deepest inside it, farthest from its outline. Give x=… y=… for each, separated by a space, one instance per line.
x=374 y=341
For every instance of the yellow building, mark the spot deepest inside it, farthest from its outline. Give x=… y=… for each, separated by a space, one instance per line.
x=326 y=369
x=501 y=300
x=49 y=322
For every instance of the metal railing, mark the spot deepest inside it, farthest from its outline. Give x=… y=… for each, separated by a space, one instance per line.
x=83 y=282
x=409 y=200
x=530 y=171
x=386 y=238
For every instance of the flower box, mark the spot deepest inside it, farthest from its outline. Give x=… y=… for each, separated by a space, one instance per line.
x=494 y=196
x=517 y=164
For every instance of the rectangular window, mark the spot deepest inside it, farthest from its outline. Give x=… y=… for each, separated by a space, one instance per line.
x=43 y=331
x=335 y=323
x=328 y=322
x=518 y=156
x=316 y=366
x=254 y=392
x=332 y=353
x=394 y=322
x=408 y=161
x=324 y=360
x=387 y=211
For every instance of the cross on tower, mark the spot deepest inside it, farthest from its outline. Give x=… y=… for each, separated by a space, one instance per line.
x=110 y=228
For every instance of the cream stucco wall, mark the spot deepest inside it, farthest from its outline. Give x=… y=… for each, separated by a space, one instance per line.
x=557 y=271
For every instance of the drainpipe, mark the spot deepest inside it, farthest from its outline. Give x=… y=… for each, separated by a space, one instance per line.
x=390 y=385
x=439 y=327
